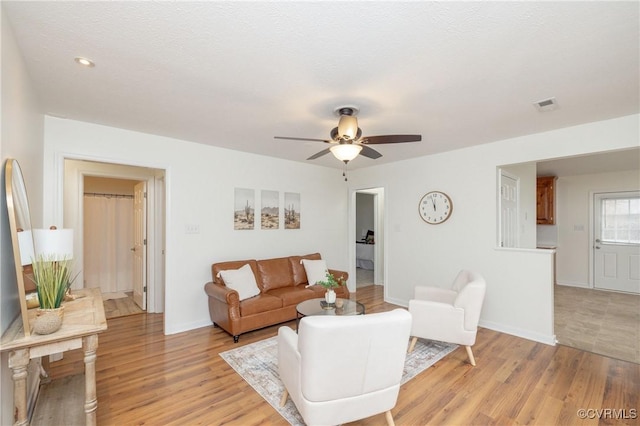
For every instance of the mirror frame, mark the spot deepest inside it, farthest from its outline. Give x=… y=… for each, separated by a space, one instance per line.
x=13 y=174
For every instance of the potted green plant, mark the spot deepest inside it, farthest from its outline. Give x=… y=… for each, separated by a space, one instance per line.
x=52 y=279
x=330 y=283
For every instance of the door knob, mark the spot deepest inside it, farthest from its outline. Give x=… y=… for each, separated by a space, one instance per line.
x=132 y=249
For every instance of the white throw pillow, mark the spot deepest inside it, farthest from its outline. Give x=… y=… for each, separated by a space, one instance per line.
x=241 y=280
x=316 y=270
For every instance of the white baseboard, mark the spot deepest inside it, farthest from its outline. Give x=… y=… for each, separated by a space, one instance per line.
x=502 y=328
x=514 y=331
x=402 y=303
x=573 y=284
x=188 y=326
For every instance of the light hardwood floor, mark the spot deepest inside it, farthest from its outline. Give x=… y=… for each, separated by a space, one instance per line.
x=144 y=377
x=114 y=308
x=604 y=322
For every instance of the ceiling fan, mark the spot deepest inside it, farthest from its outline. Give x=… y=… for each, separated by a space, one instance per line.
x=347 y=140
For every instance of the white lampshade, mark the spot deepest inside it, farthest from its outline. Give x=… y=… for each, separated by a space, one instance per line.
x=53 y=244
x=346 y=152
x=347 y=127
x=25 y=243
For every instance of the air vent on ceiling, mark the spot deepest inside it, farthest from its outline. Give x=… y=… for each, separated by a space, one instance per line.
x=546 y=105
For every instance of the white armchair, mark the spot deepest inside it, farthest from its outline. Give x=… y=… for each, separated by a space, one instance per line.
x=338 y=369
x=449 y=315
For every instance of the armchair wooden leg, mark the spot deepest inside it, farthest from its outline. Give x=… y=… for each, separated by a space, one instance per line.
x=412 y=345
x=283 y=399
x=389 y=418
x=472 y=360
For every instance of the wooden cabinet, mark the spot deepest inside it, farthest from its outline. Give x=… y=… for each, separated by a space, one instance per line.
x=546 y=200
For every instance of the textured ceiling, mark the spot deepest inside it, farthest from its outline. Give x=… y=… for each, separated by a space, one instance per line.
x=235 y=74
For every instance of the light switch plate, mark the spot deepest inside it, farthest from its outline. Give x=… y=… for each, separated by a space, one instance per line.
x=192 y=229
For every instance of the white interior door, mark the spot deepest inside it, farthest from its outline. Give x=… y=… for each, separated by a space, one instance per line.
x=140 y=245
x=616 y=247
x=508 y=210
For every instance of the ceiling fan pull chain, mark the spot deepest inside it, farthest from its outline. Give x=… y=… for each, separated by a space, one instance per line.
x=344 y=172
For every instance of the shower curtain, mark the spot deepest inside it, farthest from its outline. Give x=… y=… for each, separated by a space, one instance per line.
x=108 y=239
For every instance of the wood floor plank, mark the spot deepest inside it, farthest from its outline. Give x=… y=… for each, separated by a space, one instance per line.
x=144 y=377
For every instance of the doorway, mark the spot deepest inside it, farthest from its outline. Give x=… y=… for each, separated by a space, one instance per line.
x=108 y=233
x=369 y=237
x=114 y=252
x=120 y=181
x=616 y=241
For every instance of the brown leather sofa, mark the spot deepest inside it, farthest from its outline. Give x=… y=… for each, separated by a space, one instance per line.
x=283 y=284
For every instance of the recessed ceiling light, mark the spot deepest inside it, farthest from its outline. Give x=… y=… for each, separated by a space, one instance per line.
x=85 y=62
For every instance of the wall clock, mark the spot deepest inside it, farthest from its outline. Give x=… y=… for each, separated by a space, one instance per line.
x=435 y=207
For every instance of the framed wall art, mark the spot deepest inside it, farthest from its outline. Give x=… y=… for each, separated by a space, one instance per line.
x=291 y=210
x=244 y=209
x=270 y=209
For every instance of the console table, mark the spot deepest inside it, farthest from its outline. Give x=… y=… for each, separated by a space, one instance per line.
x=83 y=319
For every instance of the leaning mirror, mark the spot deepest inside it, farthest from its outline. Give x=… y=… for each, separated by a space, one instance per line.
x=21 y=235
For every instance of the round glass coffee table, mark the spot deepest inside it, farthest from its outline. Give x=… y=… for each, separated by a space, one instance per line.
x=319 y=307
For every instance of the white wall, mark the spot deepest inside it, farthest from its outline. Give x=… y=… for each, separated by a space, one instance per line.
x=574 y=212
x=21 y=133
x=519 y=296
x=200 y=182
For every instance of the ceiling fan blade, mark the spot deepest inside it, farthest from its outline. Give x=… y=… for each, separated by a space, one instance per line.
x=370 y=152
x=320 y=154
x=371 y=140
x=301 y=139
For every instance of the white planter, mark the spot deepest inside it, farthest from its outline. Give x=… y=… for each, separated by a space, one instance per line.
x=330 y=296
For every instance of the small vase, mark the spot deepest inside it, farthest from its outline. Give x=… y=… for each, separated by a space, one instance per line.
x=48 y=320
x=330 y=296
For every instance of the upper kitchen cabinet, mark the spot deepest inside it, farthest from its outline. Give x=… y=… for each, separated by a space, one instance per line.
x=546 y=200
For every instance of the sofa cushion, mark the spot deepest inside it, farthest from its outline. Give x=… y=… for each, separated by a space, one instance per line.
x=259 y=304
x=293 y=295
x=299 y=274
x=241 y=280
x=275 y=273
x=316 y=270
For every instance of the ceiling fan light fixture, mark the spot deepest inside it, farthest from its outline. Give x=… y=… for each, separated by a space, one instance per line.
x=346 y=151
x=348 y=127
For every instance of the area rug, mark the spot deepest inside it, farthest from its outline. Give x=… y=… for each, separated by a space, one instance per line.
x=257 y=364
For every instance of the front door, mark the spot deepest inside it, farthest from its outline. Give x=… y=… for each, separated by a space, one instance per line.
x=140 y=245
x=616 y=247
